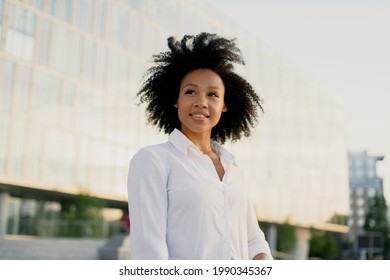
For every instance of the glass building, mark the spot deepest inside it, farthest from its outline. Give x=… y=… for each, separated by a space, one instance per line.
x=364 y=184
x=69 y=119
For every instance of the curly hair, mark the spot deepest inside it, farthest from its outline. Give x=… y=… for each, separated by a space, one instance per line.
x=160 y=89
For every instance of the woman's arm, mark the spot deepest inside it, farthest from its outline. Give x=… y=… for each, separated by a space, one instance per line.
x=258 y=246
x=147 y=196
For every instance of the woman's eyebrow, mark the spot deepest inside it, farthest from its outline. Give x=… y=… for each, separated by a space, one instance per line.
x=194 y=85
x=191 y=85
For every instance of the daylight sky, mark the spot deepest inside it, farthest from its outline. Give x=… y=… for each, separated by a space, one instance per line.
x=343 y=44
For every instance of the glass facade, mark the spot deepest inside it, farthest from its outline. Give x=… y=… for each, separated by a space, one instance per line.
x=69 y=120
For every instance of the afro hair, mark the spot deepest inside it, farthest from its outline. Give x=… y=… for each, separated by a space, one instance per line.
x=160 y=89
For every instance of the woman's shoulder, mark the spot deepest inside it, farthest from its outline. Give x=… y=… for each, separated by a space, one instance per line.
x=152 y=151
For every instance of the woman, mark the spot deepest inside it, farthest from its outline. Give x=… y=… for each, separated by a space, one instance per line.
x=186 y=196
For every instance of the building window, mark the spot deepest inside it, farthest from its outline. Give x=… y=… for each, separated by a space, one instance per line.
x=66 y=59
x=361 y=212
x=118 y=26
x=360 y=202
x=4 y=122
x=44 y=42
x=1 y=12
x=371 y=192
x=21 y=33
x=61 y=9
x=359 y=192
x=89 y=58
x=136 y=4
x=47 y=99
x=7 y=87
x=101 y=8
x=18 y=145
x=135 y=34
x=23 y=91
x=39 y=4
x=85 y=14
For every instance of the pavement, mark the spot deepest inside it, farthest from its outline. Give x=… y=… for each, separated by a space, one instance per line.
x=36 y=248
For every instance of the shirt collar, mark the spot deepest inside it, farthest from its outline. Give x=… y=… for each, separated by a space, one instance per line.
x=183 y=144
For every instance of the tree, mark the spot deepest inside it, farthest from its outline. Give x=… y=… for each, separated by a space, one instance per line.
x=339 y=219
x=286 y=238
x=84 y=216
x=323 y=245
x=377 y=219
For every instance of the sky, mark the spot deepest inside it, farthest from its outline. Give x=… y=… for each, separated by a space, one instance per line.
x=342 y=44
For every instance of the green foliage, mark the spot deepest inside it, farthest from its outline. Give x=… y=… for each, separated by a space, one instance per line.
x=339 y=219
x=377 y=219
x=84 y=217
x=323 y=245
x=286 y=238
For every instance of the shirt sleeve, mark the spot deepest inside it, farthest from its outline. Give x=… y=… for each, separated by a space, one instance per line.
x=256 y=238
x=147 y=197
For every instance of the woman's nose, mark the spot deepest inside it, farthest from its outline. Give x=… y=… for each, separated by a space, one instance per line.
x=201 y=101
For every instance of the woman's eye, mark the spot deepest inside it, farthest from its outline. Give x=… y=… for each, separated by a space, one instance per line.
x=190 y=91
x=213 y=94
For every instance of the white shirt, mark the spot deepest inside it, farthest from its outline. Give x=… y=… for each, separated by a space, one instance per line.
x=180 y=209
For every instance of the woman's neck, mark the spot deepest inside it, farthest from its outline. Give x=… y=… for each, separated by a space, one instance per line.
x=201 y=140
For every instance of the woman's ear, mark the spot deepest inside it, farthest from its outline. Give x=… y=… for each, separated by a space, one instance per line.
x=224 y=109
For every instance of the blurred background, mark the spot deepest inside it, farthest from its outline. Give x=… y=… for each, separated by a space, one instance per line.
x=69 y=120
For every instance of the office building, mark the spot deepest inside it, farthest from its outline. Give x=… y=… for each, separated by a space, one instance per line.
x=364 y=184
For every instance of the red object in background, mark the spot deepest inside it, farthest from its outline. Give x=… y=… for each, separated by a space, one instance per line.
x=127 y=222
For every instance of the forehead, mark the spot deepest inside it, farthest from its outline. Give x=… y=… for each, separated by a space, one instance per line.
x=202 y=77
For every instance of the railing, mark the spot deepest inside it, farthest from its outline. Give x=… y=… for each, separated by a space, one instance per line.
x=66 y=228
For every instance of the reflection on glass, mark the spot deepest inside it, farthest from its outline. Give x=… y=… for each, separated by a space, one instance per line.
x=69 y=105
x=136 y=4
x=18 y=145
x=44 y=41
x=23 y=92
x=7 y=86
x=35 y=152
x=135 y=34
x=83 y=162
x=103 y=157
x=61 y=9
x=118 y=26
x=47 y=99
x=84 y=14
x=149 y=41
x=60 y=151
x=4 y=122
x=121 y=163
x=119 y=71
x=90 y=111
x=21 y=32
x=169 y=15
x=101 y=8
x=1 y=16
x=101 y=70
x=66 y=59
x=89 y=56
x=39 y=4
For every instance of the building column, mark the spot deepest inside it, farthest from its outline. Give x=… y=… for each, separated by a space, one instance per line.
x=302 y=243
x=4 y=200
x=271 y=235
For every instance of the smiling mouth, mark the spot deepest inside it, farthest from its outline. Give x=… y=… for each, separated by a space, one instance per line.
x=199 y=116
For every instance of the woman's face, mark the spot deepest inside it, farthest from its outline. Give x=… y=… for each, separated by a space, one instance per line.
x=200 y=102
